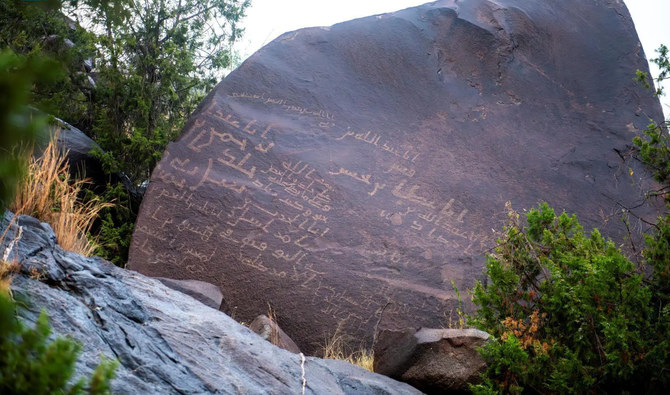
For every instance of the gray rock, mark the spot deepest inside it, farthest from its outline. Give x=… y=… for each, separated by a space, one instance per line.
x=435 y=361
x=166 y=342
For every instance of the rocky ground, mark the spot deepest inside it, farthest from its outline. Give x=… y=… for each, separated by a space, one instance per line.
x=166 y=342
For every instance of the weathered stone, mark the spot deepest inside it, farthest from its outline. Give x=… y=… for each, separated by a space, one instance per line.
x=270 y=331
x=207 y=293
x=436 y=361
x=166 y=341
x=393 y=351
x=347 y=171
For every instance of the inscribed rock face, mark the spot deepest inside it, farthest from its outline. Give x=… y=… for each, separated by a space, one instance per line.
x=349 y=174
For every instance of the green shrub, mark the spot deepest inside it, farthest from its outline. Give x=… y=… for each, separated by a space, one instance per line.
x=116 y=225
x=569 y=313
x=655 y=153
x=31 y=365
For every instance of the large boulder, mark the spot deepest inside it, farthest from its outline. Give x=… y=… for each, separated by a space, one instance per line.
x=436 y=361
x=166 y=341
x=347 y=175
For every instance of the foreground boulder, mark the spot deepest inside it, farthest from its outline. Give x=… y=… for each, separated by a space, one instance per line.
x=347 y=175
x=436 y=361
x=166 y=342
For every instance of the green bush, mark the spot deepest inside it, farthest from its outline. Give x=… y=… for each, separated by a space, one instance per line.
x=569 y=313
x=37 y=28
x=31 y=365
x=116 y=225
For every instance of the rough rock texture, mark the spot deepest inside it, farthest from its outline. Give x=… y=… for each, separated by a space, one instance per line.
x=347 y=171
x=206 y=293
x=270 y=331
x=166 y=341
x=436 y=361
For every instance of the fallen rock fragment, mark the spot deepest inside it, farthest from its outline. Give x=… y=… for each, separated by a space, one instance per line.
x=208 y=294
x=436 y=361
x=269 y=330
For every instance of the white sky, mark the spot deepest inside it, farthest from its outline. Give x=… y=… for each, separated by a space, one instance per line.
x=267 y=19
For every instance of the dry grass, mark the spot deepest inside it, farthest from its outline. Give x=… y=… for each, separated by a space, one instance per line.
x=461 y=318
x=8 y=268
x=455 y=322
x=337 y=347
x=7 y=271
x=274 y=333
x=49 y=194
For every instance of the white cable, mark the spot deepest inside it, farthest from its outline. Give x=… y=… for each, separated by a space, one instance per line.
x=302 y=366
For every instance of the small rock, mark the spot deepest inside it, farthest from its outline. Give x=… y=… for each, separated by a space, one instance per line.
x=270 y=331
x=436 y=361
x=209 y=294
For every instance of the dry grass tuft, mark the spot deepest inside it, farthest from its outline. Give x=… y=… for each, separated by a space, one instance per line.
x=8 y=268
x=274 y=333
x=7 y=271
x=49 y=194
x=337 y=347
x=461 y=318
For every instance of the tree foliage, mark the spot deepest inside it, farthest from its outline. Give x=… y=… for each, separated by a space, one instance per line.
x=133 y=71
x=654 y=145
x=568 y=311
x=663 y=64
x=134 y=75
x=155 y=60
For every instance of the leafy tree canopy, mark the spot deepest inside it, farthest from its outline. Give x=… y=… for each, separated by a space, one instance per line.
x=132 y=72
x=568 y=311
x=151 y=62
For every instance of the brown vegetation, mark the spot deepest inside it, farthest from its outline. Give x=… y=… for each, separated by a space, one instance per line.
x=337 y=347
x=8 y=267
x=48 y=194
